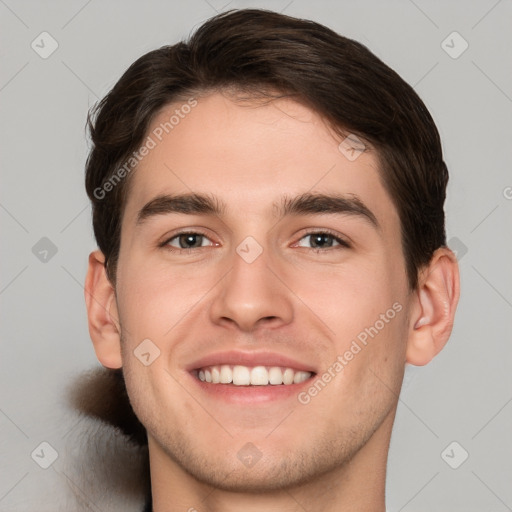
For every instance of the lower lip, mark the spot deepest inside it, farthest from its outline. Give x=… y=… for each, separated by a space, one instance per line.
x=251 y=394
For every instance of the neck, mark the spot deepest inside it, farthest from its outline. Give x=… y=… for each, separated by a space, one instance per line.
x=357 y=484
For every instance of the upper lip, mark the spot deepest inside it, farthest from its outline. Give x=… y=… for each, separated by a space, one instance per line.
x=249 y=358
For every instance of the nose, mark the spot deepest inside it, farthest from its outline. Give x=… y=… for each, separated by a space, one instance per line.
x=251 y=295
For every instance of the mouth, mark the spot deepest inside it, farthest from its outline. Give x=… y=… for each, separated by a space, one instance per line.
x=250 y=377
x=238 y=375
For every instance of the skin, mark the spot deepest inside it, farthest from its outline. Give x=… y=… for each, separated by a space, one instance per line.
x=304 y=302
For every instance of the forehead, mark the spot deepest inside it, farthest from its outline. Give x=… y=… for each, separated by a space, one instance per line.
x=250 y=154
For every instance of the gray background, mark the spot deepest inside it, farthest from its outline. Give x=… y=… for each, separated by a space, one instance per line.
x=464 y=395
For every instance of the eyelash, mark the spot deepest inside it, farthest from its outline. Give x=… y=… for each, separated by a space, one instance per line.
x=343 y=244
x=180 y=250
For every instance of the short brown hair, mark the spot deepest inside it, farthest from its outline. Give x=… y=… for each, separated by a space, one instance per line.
x=255 y=51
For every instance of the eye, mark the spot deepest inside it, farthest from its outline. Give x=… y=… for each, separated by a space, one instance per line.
x=189 y=241
x=321 y=240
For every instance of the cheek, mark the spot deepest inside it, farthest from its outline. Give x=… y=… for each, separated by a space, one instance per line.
x=371 y=352
x=154 y=295
x=349 y=298
x=364 y=308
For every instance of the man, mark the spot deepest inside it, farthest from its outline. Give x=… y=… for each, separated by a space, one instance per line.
x=268 y=206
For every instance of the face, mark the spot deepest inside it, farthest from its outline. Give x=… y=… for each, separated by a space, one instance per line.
x=254 y=251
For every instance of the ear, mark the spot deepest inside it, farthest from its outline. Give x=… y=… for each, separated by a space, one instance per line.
x=100 y=300
x=433 y=309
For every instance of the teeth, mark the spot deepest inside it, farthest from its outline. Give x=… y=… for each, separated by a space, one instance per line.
x=299 y=377
x=275 y=376
x=239 y=375
x=259 y=376
x=288 y=376
x=226 y=374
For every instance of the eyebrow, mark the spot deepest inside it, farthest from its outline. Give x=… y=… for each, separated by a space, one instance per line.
x=308 y=203
x=192 y=204
x=304 y=204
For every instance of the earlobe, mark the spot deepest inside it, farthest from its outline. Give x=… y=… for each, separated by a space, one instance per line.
x=433 y=311
x=100 y=299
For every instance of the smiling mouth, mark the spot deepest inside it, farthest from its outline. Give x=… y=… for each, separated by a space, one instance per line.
x=238 y=375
